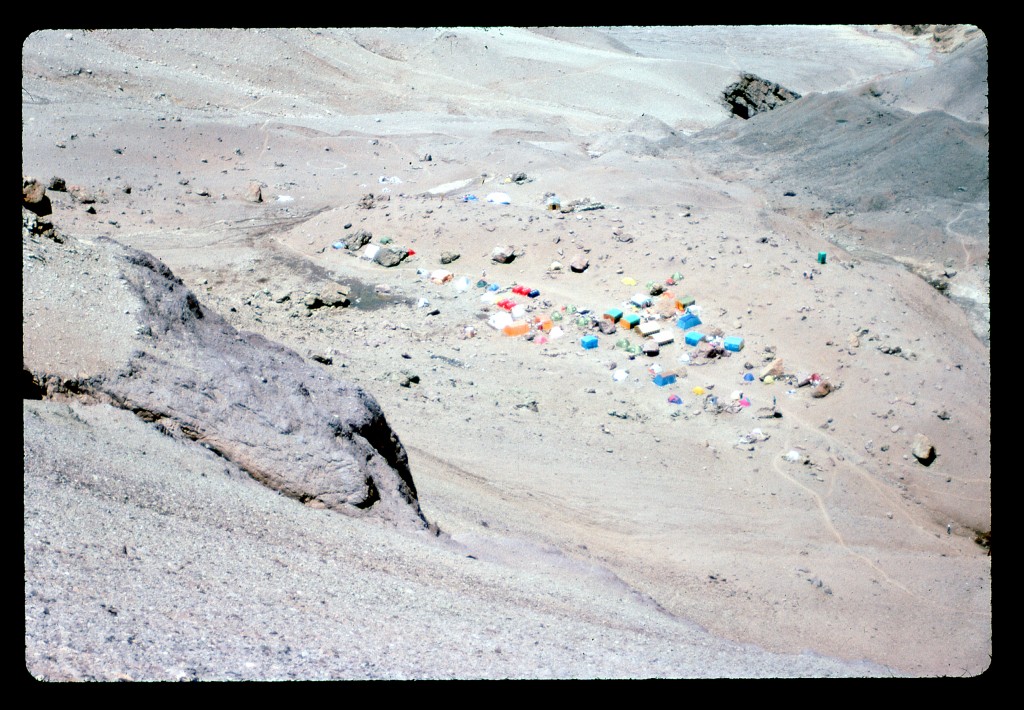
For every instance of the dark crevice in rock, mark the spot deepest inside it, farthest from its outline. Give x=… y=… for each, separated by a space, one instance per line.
x=192 y=303
x=383 y=439
x=372 y=495
x=147 y=415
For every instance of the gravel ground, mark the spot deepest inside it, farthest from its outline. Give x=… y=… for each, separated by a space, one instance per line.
x=589 y=528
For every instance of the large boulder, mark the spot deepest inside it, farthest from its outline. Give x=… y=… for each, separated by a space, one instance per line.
x=752 y=94
x=130 y=334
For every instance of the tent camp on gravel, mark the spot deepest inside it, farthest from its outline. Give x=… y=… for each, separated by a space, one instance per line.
x=252 y=453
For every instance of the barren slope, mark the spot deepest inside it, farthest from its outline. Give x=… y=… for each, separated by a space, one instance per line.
x=644 y=517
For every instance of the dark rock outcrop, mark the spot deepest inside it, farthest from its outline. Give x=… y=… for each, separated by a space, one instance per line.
x=752 y=94
x=132 y=335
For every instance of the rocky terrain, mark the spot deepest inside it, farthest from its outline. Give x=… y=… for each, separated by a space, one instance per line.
x=272 y=432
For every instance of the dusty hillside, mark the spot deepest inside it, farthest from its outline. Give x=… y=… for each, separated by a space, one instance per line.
x=865 y=176
x=591 y=526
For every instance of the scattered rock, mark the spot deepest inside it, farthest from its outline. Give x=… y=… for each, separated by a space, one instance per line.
x=606 y=326
x=448 y=257
x=33 y=196
x=582 y=205
x=369 y=200
x=923 y=450
x=33 y=224
x=579 y=264
x=755 y=436
x=774 y=369
x=823 y=389
x=253 y=192
x=390 y=257
x=57 y=184
x=503 y=255
x=357 y=240
x=407 y=378
x=335 y=296
x=330 y=296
